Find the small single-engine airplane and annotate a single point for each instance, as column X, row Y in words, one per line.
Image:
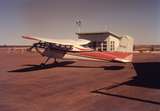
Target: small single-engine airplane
column 70, row 49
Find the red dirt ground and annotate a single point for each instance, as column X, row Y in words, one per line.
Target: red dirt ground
column 78, row 85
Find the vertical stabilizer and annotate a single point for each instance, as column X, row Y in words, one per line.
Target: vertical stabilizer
column 126, row 44
column 125, row 47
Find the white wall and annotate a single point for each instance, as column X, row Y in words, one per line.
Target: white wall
column 101, row 38
column 112, row 38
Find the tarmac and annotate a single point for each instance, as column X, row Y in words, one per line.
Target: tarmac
column 74, row 85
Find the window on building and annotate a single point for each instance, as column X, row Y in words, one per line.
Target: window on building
column 98, row 46
column 112, row 46
column 93, row 44
column 105, row 46
column 104, row 49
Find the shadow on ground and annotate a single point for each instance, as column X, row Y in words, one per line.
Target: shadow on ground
column 32, row 67
column 66, row 64
column 113, row 67
column 147, row 76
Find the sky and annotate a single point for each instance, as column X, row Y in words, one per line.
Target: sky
column 56, row 19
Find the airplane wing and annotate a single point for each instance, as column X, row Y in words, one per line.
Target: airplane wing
column 58, row 41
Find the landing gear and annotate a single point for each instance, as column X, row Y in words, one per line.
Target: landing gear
column 42, row 64
column 45, row 62
column 55, row 61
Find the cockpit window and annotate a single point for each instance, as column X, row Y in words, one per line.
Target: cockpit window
column 85, row 45
column 60, row 46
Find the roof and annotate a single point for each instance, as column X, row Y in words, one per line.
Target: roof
column 97, row 33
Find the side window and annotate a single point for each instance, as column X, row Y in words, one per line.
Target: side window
column 98, row 45
column 105, row 46
column 92, row 45
column 112, row 46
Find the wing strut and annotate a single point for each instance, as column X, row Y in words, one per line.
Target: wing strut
column 45, row 62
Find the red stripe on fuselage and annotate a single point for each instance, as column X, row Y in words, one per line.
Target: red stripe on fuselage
column 83, row 49
column 105, row 55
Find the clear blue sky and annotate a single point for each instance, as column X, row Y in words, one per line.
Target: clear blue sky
column 56, row 18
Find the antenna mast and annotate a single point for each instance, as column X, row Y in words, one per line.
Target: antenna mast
column 79, row 24
column 106, row 28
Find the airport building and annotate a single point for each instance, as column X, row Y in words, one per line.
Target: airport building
column 101, row 41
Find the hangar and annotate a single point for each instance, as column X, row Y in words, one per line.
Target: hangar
column 101, row 41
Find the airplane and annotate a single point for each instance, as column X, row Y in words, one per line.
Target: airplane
column 77, row 50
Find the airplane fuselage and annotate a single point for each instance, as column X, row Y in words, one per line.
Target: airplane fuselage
column 84, row 55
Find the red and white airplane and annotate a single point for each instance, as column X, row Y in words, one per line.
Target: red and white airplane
column 70, row 49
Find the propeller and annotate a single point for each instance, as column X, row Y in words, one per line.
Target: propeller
column 37, row 45
column 33, row 46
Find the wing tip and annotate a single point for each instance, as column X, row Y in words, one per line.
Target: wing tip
column 29, row 37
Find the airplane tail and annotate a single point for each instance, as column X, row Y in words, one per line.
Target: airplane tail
column 126, row 44
column 125, row 47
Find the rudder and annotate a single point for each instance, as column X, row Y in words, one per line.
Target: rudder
column 126, row 44
column 126, row 47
